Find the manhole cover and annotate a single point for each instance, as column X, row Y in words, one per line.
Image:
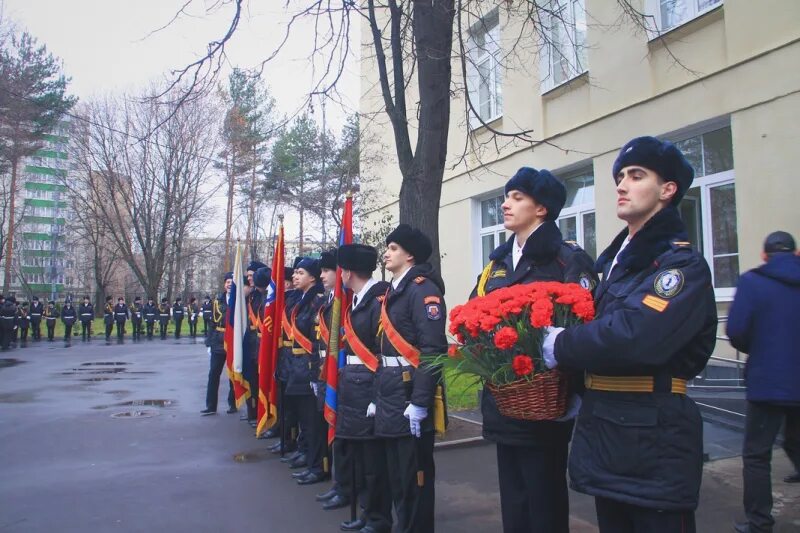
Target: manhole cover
column 7, row 362
column 136, row 414
column 138, row 403
column 105, row 363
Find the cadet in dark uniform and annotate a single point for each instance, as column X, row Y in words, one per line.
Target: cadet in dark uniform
column 120, row 317
column 150, row 314
column 206, row 310
column 194, row 312
column 356, row 390
column 532, row 455
column 23, row 323
column 86, row 315
column 304, row 369
column 163, row 318
column 8, row 320
column 51, row 315
column 68, row 316
column 137, row 312
column 638, row 443
column 2, row 330
column 215, row 341
column 108, row 319
column 178, row 312
column 413, row 322
column 250, row 343
column 37, row 309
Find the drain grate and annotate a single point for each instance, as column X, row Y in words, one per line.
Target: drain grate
column 144, row 413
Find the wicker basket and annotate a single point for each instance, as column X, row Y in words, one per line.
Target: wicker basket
column 542, row 398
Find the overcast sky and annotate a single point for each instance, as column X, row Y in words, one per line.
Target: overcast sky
column 107, row 46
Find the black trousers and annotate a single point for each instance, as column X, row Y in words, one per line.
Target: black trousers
column 120, row 330
column 150, row 326
column 178, row 323
column 67, row 333
column 86, row 330
column 51, row 329
column 23, row 335
column 318, row 458
column 533, row 488
column 136, row 324
column 162, row 329
column 399, row 461
column 205, row 327
column 109, row 329
column 288, row 417
column 310, row 441
column 250, row 372
column 192, row 328
column 762, row 425
column 216, row 366
column 36, row 329
column 358, row 468
column 618, row 517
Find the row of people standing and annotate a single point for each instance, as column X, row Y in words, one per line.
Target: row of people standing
column 17, row 319
column 144, row 317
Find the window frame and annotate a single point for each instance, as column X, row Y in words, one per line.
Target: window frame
column 489, row 26
column 479, row 231
column 546, row 72
column 654, row 13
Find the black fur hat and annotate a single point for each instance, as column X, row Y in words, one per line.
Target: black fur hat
column 358, row 257
column 542, row 186
column 327, row 259
column 261, row 277
column 662, row 157
column 412, row 241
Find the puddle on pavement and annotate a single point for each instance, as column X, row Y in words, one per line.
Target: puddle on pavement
column 105, row 363
column 117, row 392
column 18, row 397
column 88, row 371
column 254, row 456
column 139, row 403
column 9, row 362
column 135, row 414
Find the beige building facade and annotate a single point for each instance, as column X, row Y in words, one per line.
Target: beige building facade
column 718, row 77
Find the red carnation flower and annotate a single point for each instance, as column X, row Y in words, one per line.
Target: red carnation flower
column 505, row 338
column 453, row 351
column 522, row 365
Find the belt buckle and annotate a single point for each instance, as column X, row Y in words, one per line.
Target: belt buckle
column 587, row 381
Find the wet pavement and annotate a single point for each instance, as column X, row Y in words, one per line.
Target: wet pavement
column 110, row 438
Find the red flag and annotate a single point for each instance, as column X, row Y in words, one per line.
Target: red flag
column 270, row 341
column 341, row 304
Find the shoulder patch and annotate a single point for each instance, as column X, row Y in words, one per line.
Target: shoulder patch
column 586, row 281
column 434, row 311
column 419, row 279
column 432, row 300
column 655, row 303
column 669, row 283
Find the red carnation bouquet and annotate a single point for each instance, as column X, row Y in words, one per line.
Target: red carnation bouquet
column 500, row 339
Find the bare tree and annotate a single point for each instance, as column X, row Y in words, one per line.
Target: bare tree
column 146, row 184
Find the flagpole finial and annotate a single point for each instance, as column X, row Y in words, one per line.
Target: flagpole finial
column 280, row 217
column 349, row 194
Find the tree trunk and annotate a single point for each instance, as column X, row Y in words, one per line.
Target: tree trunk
column 11, row 228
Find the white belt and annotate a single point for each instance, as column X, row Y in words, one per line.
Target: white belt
column 354, row 360
column 395, row 361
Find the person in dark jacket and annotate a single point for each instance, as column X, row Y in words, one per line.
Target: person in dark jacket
column 762, row 322
column 2, row 329
column 51, row 315
column 121, row 314
column 194, row 315
column 137, row 314
column 254, row 294
column 532, row 456
column 412, row 322
column 86, row 315
column 37, row 309
column 304, row 369
column 150, row 315
column 24, row 323
column 178, row 312
column 207, row 310
column 638, row 441
column 108, row 319
column 68, row 316
column 163, row 318
column 215, row 341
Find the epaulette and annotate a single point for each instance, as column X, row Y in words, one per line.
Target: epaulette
column 380, row 298
column 419, row 279
column 681, row 245
column 572, row 245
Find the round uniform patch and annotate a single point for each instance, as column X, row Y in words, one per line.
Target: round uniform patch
column 668, row 283
column 586, row 282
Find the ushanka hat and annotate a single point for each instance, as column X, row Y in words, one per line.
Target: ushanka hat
column 662, row 157
column 358, row 257
column 542, row 186
column 327, row 260
column 261, row 277
column 412, row 241
column 310, row 265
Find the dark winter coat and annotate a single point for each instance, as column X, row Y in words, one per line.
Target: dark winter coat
column 655, row 316
column 163, row 314
column 285, row 352
column 417, row 310
column 216, row 334
column 108, row 314
column 763, row 322
column 121, row 313
column 37, row 309
column 207, row 310
column 23, row 318
column 86, row 312
column 545, row 257
column 304, row 366
column 150, row 312
column 136, row 313
column 194, row 312
column 356, row 386
column 68, row 315
column 177, row 312
column 51, row 315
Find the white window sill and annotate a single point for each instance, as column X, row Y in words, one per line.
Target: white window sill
column 547, row 88
column 475, row 128
column 659, row 34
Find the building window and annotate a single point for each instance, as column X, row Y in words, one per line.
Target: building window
column 576, row 220
column 564, row 42
column 492, row 232
column 484, row 79
column 709, row 207
column 668, row 14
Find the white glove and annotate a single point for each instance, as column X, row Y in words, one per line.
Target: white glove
column 314, row 388
column 415, row 415
column 371, row 410
column 573, row 407
column 548, row 346
column 209, row 351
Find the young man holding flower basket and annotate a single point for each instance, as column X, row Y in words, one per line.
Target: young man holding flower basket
column 638, row 443
column 531, row 445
